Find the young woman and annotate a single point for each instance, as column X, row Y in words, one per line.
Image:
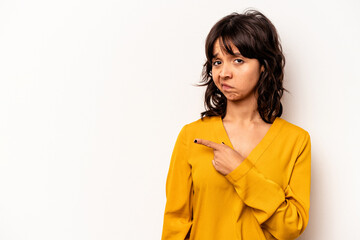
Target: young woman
column 240, row 171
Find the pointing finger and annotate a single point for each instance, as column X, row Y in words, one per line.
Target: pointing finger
column 207, row 143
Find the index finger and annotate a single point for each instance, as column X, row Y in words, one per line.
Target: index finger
column 208, row 143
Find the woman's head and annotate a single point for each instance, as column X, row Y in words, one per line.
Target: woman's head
column 253, row 38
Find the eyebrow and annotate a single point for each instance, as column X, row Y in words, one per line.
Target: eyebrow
column 236, row 54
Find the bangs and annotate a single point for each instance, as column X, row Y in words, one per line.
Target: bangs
column 239, row 38
column 225, row 44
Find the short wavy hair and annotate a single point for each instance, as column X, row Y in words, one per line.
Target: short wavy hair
column 255, row 37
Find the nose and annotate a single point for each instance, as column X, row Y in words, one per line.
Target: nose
column 225, row 71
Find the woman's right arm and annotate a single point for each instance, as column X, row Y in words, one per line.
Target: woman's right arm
column 179, row 192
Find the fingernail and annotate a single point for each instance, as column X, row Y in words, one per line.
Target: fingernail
column 195, row 141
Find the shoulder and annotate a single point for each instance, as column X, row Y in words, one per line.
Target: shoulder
column 289, row 126
column 201, row 124
column 291, row 130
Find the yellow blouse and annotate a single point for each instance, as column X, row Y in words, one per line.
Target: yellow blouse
column 266, row 197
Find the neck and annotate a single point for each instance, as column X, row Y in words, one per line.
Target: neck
column 243, row 112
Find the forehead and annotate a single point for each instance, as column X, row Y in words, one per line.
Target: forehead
column 219, row 47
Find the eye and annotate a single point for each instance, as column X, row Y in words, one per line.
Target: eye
column 215, row 63
column 240, row 60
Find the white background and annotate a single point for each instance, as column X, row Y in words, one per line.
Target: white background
column 94, row 93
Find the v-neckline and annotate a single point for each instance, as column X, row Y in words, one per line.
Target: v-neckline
column 261, row 146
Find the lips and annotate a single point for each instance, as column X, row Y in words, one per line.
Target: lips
column 225, row 86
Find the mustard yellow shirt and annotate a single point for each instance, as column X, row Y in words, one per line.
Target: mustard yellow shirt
column 266, row 197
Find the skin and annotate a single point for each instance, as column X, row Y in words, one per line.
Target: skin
column 241, row 74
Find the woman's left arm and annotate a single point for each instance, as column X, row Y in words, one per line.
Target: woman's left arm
column 282, row 212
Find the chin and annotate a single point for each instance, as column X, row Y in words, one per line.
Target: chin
column 235, row 97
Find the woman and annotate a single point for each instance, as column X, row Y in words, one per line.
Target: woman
column 240, row 171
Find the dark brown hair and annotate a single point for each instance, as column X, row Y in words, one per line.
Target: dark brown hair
column 255, row 37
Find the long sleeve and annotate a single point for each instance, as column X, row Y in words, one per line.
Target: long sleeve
column 179, row 193
column 282, row 212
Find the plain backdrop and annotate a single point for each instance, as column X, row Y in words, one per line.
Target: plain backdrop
column 94, row 93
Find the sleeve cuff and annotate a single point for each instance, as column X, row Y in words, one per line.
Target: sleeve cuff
column 240, row 171
column 255, row 189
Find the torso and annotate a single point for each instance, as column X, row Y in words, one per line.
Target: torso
column 245, row 140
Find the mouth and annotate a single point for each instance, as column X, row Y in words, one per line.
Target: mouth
column 225, row 87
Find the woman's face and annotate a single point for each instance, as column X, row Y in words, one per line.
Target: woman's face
column 240, row 74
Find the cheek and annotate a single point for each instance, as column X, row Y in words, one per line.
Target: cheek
column 251, row 74
column 215, row 78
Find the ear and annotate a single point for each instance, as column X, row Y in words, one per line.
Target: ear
column 262, row 68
